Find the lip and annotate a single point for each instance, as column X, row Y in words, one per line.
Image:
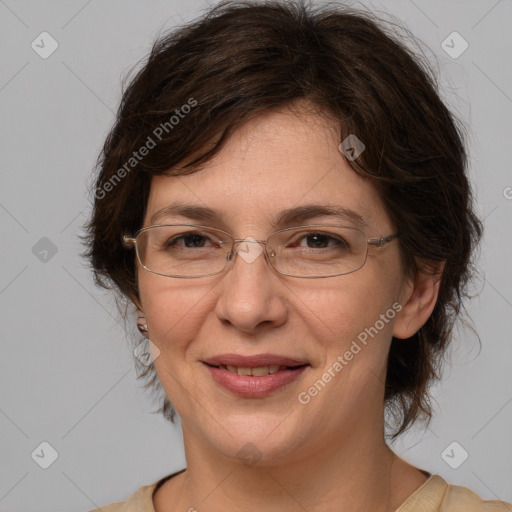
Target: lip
column 253, row 387
column 253, row 361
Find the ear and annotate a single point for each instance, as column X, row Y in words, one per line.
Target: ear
column 418, row 300
column 141, row 320
column 137, row 303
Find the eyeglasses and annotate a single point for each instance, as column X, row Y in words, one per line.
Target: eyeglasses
column 313, row 251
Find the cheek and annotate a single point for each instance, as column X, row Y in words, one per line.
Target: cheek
column 174, row 311
column 352, row 318
column 347, row 305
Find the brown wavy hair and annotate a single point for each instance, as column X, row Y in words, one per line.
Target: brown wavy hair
column 201, row 81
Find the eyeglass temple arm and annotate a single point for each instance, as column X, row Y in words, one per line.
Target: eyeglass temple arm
column 379, row 242
column 128, row 241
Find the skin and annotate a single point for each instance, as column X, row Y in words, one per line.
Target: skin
column 329, row 454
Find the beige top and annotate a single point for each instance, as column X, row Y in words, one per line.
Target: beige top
column 435, row 495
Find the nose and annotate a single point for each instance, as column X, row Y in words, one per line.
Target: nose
column 251, row 295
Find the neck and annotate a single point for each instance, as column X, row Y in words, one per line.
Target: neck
column 353, row 472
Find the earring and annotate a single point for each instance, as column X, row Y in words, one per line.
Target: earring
column 146, row 351
column 142, row 326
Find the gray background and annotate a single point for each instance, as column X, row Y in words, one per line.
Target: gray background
column 67, row 375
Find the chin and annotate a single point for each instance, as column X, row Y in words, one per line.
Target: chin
column 259, row 439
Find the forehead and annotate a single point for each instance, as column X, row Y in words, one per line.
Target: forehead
column 277, row 161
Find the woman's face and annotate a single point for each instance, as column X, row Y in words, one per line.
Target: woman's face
column 277, row 161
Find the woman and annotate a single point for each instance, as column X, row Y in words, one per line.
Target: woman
column 284, row 199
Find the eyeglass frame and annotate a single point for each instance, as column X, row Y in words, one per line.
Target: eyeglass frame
column 131, row 242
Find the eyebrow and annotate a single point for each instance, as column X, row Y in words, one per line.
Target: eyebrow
column 284, row 218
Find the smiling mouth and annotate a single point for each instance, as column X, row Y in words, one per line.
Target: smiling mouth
column 257, row 371
column 256, row 379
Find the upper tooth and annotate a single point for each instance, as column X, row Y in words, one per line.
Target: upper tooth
column 259, row 371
